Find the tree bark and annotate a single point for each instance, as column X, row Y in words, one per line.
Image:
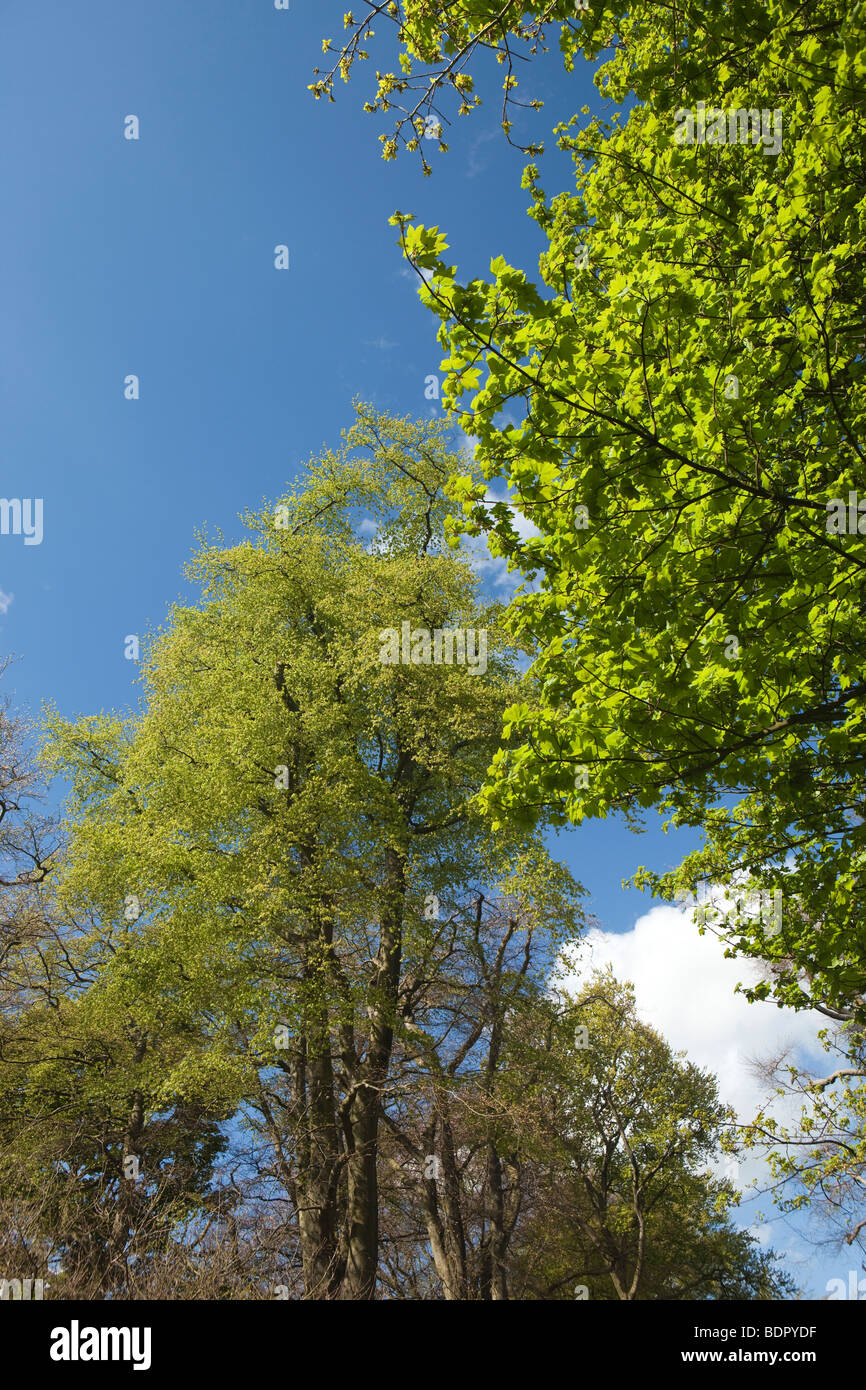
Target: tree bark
column 364, row 1110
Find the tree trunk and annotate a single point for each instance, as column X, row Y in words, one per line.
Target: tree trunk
column 318, row 1154
column 362, row 1212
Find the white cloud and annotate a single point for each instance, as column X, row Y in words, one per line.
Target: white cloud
column 5, row 601
column 493, row 569
column 761, row 1232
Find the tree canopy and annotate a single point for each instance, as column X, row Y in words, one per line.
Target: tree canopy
column 271, row 850
column 676, row 402
column 286, row 1022
column 687, row 375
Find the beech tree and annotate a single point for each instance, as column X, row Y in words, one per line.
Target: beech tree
column 291, row 812
column 294, row 1032
column 687, row 376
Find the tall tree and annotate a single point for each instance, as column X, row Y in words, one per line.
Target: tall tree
column 290, row 812
column 687, row 374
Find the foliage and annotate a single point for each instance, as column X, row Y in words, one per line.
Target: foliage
column 690, row 404
column 288, row 816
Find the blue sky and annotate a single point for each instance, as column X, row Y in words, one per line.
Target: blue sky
column 156, row 257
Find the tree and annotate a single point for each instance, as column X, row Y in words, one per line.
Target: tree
column 289, row 814
column 559, row 1153
column 688, row 376
column 456, row 1122
column 29, row 845
column 623, row 1206
column 91, row 1198
column 819, row 1159
column 103, row 1187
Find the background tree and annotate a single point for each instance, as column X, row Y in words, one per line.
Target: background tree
column 624, row 1206
column 456, row 1153
column 93, row 1192
column 102, row 1187
column 818, row 1160
column 29, row 844
column 562, row 1155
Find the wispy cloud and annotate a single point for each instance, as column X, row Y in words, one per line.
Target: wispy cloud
column 5, row 601
column 474, row 164
column 406, row 273
column 383, row 344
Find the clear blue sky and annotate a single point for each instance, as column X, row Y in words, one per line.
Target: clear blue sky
column 155, row 257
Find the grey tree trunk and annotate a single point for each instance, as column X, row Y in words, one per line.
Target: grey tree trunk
column 364, row 1110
